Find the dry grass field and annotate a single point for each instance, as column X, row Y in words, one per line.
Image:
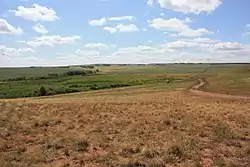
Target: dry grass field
column 141, row 126
column 151, row 129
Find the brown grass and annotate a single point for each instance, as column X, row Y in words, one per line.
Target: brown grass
column 154, row 129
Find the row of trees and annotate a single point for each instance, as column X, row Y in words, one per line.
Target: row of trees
column 48, row 92
column 53, row 75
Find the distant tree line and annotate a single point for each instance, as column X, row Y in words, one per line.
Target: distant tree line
column 48, row 92
column 54, row 75
column 74, row 88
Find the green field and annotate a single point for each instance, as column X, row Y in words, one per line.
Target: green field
column 228, row 78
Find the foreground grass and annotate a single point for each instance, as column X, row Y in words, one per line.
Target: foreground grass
column 151, row 129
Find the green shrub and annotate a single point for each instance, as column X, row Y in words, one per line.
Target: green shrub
column 42, row 91
column 72, row 73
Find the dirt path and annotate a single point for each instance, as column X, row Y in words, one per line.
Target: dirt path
column 195, row 90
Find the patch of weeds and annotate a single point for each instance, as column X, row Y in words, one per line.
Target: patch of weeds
column 82, row 146
column 223, row 132
column 178, row 151
column 130, row 151
column 148, row 152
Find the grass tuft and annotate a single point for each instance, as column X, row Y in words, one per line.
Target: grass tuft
column 82, row 146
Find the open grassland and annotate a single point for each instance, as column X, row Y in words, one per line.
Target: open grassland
column 153, row 124
column 151, row 129
column 228, row 79
column 6, row 73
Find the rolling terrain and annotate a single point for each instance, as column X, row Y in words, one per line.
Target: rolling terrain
column 153, row 124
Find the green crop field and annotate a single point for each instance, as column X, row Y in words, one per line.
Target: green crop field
column 26, row 82
column 32, row 72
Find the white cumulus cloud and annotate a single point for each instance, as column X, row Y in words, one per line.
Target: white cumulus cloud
column 229, row 46
column 105, row 20
column 127, row 28
column 7, row 51
column 6, row 28
column 130, row 18
column 194, row 51
column 100, row 22
column 202, row 40
column 36, row 13
column 195, row 33
column 178, row 26
column 189, row 6
column 97, row 46
column 110, row 29
column 40, row 29
column 52, row 40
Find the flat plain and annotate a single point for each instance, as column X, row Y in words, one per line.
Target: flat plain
column 157, row 123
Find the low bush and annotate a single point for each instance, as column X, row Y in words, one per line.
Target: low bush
column 42, row 91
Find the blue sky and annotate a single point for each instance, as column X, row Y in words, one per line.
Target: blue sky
column 34, row 32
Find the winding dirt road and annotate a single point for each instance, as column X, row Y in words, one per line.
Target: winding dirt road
column 196, row 90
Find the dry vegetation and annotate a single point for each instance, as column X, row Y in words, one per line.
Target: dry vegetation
column 154, row 129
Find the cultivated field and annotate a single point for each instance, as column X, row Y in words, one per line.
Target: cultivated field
column 75, row 79
column 160, row 122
